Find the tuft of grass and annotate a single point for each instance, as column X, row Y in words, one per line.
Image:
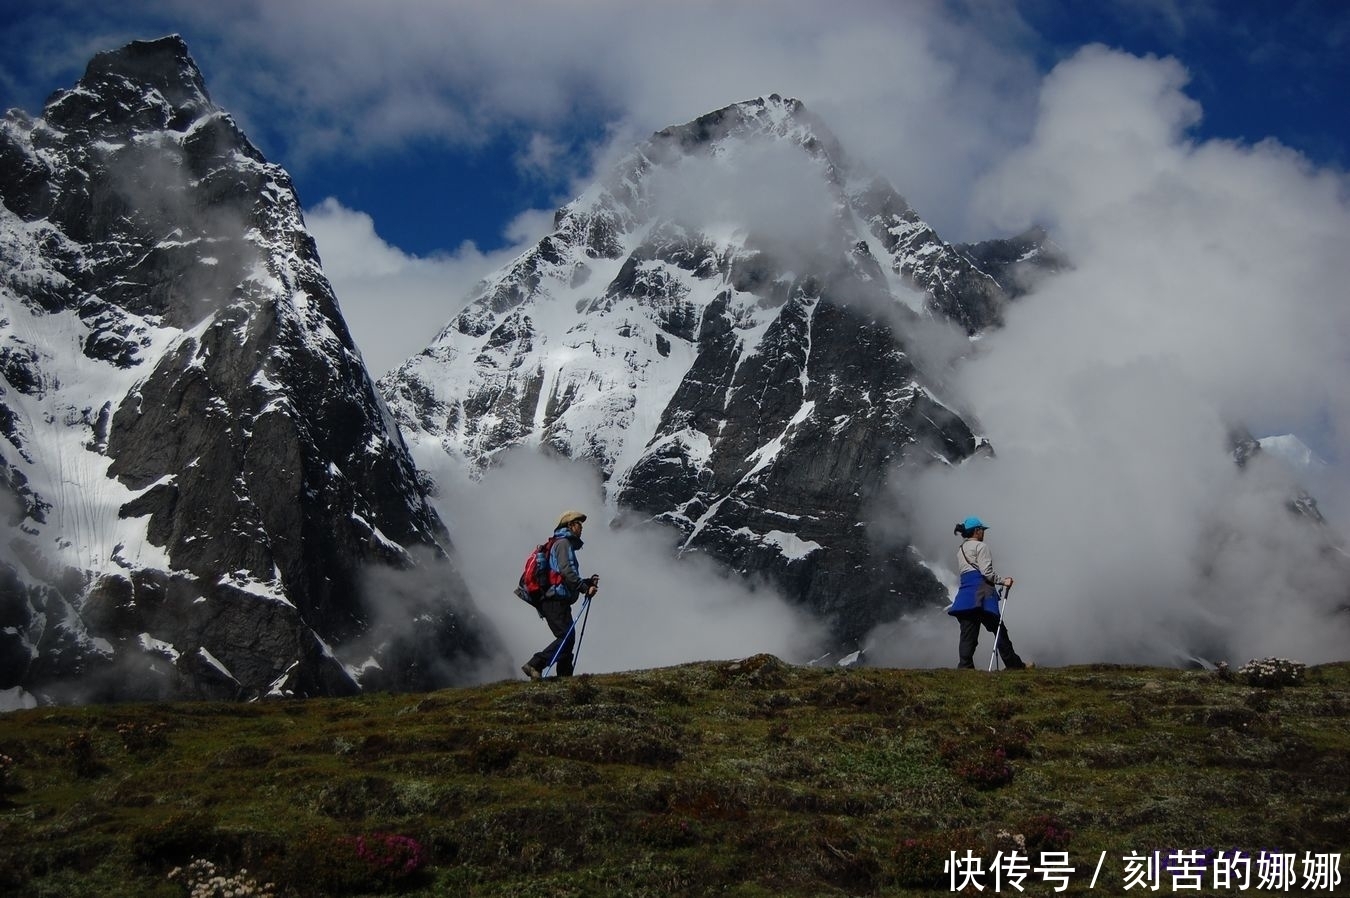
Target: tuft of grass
column 739, row 778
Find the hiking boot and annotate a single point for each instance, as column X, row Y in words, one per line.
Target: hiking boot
column 530, row 671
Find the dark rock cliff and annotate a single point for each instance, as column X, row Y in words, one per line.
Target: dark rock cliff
column 202, row 473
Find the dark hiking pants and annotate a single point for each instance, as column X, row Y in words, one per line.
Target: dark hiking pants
column 971, row 621
column 557, row 613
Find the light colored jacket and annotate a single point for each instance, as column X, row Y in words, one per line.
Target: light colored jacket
column 974, row 555
column 975, row 564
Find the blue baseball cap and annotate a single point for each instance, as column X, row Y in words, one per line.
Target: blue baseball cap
column 974, row 524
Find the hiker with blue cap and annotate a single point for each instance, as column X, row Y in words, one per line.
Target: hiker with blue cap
column 976, row 602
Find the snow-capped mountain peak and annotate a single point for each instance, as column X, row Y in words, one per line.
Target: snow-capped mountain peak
column 719, row 323
column 193, row 454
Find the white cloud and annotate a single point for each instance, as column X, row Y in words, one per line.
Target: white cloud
column 1208, row 291
column 1209, row 282
column 927, row 97
column 769, row 189
column 394, row 302
column 1222, row 259
column 541, row 156
column 651, row 610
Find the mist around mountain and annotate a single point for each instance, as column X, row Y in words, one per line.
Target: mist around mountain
column 743, row 332
column 205, row 493
column 771, row 384
column 769, row 360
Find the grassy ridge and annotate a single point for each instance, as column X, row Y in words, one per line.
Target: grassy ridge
column 749, row 778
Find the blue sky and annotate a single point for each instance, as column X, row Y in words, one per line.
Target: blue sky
column 431, row 140
column 337, row 106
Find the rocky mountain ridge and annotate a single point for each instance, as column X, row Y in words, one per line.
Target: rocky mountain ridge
column 743, row 330
column 749, row 378
column 200, row 476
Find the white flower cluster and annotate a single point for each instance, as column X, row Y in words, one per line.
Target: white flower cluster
column 203, row 881
column 1275, row 672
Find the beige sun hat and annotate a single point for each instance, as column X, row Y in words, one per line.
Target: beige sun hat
column 570, row 516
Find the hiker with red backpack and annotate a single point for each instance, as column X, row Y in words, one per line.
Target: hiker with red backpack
column 554, row 590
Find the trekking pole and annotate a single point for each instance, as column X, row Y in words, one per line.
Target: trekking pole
column 586, row 611
column 998, row 632
column 554, row 660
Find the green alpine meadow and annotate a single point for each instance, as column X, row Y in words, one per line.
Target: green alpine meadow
column 748, row 778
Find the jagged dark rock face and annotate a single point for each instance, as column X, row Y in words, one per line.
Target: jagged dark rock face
column 837, row 420
column 752, row 396
column 202, row 475
column 1017, row 262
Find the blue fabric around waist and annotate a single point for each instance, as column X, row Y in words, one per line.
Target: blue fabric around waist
column 971, row 581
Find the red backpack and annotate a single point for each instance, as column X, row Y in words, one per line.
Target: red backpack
column 539, row 576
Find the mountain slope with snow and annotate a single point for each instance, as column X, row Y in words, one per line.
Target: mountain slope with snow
column 732, row 326
column 199, row 473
